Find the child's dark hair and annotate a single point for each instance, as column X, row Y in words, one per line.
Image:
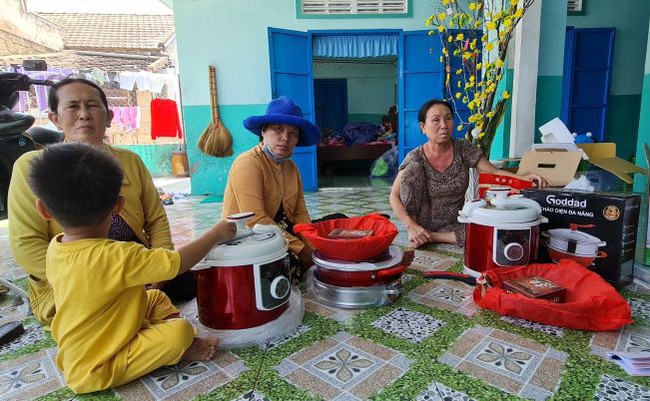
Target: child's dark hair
column 422, row 114
column 79, row 184
column 53, row 98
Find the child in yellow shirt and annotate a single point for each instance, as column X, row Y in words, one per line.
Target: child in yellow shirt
column 108, row 328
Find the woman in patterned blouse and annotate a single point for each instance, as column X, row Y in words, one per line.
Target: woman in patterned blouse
column 430, row 187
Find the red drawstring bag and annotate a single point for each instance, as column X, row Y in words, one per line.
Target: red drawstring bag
column 356, row 249
column 590, row 302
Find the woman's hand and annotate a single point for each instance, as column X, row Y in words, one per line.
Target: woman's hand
column 538, row 180
column 418, row 235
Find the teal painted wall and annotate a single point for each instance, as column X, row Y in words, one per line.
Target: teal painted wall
column 210, row 174
column 551, row 63
column 501, row 144
column 549, row 96
column 157, row 158
column 623, row 115
column 641, row 181
column 371, row 87
column 232, row 36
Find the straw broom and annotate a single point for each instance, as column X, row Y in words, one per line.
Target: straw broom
column 215, row 140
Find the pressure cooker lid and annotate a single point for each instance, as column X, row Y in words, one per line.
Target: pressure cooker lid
column 574, row 235
column 264, row 244
column 323, row 261
column 502, row 211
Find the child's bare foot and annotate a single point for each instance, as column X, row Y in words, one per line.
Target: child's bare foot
column 202, row 349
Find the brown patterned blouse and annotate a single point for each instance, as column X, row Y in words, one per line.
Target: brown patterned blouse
column 433, row 197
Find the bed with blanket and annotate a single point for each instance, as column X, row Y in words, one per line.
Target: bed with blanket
column 357, row 141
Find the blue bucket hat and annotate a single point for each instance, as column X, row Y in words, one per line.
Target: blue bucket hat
column 284, row 111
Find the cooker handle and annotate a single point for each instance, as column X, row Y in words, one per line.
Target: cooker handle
column 601, row 254
column 392, row 271
column 436, row 274
column 465, row 214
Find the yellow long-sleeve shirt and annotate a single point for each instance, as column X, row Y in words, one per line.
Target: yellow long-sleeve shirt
column 258, row 184
column 101, row 304
column 30, row 234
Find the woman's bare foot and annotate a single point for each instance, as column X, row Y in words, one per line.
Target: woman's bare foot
column 202, row 349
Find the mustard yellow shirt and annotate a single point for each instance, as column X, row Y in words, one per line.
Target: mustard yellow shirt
column 30, row 234
column 101, row 302
column 258, row 184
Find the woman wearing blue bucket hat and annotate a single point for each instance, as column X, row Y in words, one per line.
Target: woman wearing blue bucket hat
column 265, row 180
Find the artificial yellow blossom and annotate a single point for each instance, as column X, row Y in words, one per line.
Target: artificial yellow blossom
column 506, row 95
column 472, row 45
column 442, row 59
column 458, row 84
column 481, row 135
column 479, row 6
column 471, row 105
column 465, row 99
column 460, row 127
column 471, row 78
column 445, row 2
column 459, row 71
column 450, row 39
column 507, row 22
column 441, row 28
column 458, row 95
column 490, row 114
column 489, row 46
column 478, row 66
column 442, row 16
column 514, row 2
column 499, row 63
column 430, row 33
column 491, row 25
column 519, row 13
column 427, row 22
column 484, row 38
column 460, row 36
column 472, row 6
column 477, row 24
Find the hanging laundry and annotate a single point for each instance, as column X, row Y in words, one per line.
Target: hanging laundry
column 157, row 82
column 98, row 76
column 143, row 81
column 41, row 94
column 164, row 119
column 126, row 80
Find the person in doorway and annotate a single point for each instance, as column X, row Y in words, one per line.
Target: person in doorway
column 109, row 330
column 430, row 186
column 79, row 108
column 265, row 180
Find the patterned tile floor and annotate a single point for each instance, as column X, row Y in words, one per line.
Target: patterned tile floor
column 433, row 343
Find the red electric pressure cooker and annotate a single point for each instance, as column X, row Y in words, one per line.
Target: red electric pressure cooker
column 501, row 233
column 245, row 282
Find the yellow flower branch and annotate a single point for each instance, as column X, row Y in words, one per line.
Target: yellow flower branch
column 477, row 36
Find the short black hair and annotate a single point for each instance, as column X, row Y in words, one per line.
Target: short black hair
column 53, row 98
column 79, row 184
column 422, row 114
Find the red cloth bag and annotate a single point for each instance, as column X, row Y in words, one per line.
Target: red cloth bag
column 590, row 303
column 357, row 249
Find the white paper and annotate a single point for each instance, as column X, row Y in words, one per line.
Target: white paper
column 635, row 364
column 555, row 131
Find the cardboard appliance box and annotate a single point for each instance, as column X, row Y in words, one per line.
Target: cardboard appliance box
column 558, row 162
column 614, row 217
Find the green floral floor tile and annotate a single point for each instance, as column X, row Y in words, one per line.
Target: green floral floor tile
column 432, row 343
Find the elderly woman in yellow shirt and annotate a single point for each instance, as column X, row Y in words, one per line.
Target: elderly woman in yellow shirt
column 266, row 181
column 79, row 108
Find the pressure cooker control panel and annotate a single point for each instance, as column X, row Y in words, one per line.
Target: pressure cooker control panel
column 511, row 247
column 272, row 283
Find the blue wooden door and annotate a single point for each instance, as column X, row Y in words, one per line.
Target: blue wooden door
column 588, row 59
column 331, row 102
column 291, row 75
column 420, row 78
